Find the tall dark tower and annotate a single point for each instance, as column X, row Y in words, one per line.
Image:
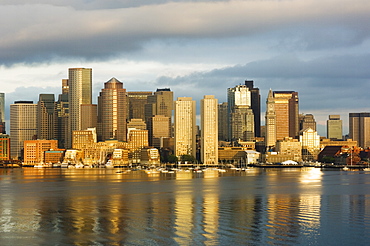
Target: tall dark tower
column 256, row 106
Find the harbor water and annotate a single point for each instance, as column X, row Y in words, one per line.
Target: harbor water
column 291, row 206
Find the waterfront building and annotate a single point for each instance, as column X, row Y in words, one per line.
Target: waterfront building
column 4, row 147
column 223, row 129
column 159, row 127
column 289, row 147
column 310, row 142
column 137, row 140
column 252, row 157
column 150, row 156
column 359, row 128
column 287, row 112
column 54, row 156
column 34, row 150
column 185, row 127
column 241, row 118
column 112, row 111
column 84, row 139
column 255, row 106
column 231, row 155
column 120, row 157
column 80, row 92
column 307, row 121
column 22, row 125
column 270, row 121
column 209, row 130
column 329, row 142
column 334, row 127
column 46, row 120
column 136, row 104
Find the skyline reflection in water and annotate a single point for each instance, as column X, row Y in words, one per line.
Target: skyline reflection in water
column 101, row 206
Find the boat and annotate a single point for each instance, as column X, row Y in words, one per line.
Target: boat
column 79, row 165
column 345, row 168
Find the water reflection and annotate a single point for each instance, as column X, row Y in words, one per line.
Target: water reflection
column 77, row 207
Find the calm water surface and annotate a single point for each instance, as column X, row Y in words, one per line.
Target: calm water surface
column 305, row 206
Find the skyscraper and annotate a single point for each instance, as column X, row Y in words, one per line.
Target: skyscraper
column 307, row 121
column 136, row 104
column 80, row 92
column 22, row 125
column 2, row 113
column 270, row 121
column 159, row 127
column 359, row 128
column 240, row 114
column 256, row 106
column 185, row 127
column 161, row 103
column 287, row 112
column 46, row 120
column 334, row 127
column 223, row 129
column 112, row 115
column 209, row 130
column 2, row 107
column 62, row 109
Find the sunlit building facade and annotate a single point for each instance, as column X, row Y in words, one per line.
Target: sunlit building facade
column 359, row 128
column 80, row 92
column 185, row 127
column 46, row 117
column 334, row 127
column 209, row 130
column 112, row 111
column 22, row 125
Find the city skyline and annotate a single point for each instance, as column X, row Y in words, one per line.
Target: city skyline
column 284, row 45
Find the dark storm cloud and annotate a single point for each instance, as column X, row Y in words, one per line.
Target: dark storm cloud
column 328, row 82
column 39, row 31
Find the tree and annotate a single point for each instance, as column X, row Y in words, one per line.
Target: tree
column 172, row 159
column 188, row 158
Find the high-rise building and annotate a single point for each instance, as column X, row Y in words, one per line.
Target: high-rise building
column 270, row 121
column 240, row 114
column 161, row 103
column 287, row 112
column 89, row 116
column 62, row 109
column 334, row 127
column 223, row 129
column 136, row 104
column 359, row 128
column 22, row 125
column 2, row 107
column 256, row 106
column 46, row 120
column 306, row 121
column 242, row 123
column 209, row 130
column 112, row 111
column 185, row 127
column 2, row 113
column 80, row 92
column 159, row 127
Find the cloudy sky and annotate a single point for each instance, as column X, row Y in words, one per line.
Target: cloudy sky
column 320, row 48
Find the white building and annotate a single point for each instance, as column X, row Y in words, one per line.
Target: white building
column 310, row 142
